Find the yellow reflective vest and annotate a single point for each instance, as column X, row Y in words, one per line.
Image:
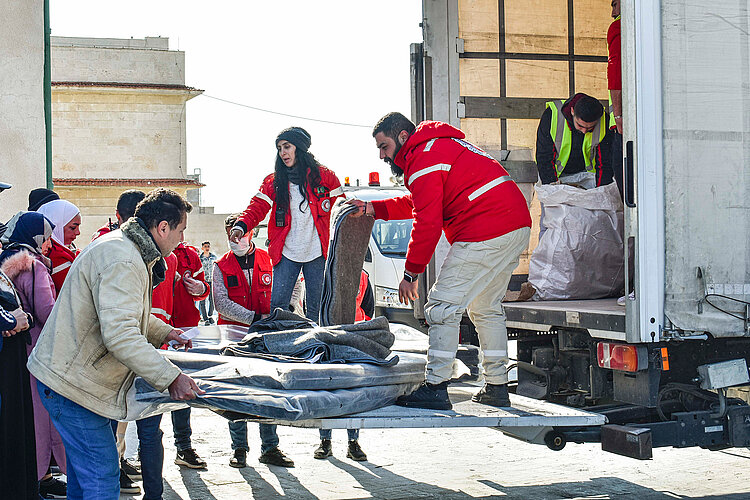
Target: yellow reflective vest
column 562, row 137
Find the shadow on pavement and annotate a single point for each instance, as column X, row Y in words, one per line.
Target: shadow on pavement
column 382, row 483
column 262, row 489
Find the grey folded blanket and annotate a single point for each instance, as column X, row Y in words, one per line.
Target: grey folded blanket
column 365, row 342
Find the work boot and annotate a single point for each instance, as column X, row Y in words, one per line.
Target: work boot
column 324, row 450
column 239, row 460
column 493, row 395
column 430, row 396
column 127, row 485
column 275, row 456
column 355, row 452
column 189, row 458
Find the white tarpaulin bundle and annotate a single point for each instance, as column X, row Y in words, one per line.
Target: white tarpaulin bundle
column 581, row 253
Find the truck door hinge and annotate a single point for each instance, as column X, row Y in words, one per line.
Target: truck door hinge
column 461, row 110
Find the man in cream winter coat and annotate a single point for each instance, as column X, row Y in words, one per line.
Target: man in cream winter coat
column 101, row 334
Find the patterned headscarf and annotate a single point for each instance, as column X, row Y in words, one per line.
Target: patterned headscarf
column 27, row 230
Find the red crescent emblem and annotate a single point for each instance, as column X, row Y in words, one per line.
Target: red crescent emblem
column 326, row 205
column 265, row 278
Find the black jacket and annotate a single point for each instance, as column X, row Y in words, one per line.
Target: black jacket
column 546, row 153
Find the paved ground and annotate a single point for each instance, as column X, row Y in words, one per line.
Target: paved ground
column 452, row 464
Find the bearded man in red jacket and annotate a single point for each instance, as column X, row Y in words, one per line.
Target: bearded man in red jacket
column 454, row 187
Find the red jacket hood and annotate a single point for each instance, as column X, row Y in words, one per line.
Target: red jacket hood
column 424, row 132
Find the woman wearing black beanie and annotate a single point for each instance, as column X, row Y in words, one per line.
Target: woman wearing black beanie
column 300, row 194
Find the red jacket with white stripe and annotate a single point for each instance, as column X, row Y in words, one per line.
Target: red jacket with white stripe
column 454, row 186
column 185, row 314
column 162, row 297
column 62, row 258
column 321, row 201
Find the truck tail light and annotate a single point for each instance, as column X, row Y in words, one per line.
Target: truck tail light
column 623, row 357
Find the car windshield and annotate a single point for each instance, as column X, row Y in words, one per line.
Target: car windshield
column 392, row 236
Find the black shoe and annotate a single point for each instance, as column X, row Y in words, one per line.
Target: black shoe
column 53, row 488
column 324, row 450
column 239, row 460
column 493, row 395
column 355, row 452
column 132, row 470
column 430, row 396
column 189, row 458
column 274, row 456
column 127, row 485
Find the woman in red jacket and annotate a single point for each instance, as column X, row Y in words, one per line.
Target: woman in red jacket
column 300, row 193
column 67, row 218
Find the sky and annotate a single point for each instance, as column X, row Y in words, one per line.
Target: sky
column 333, row 60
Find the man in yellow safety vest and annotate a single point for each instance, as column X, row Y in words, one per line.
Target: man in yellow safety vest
column 572, row 145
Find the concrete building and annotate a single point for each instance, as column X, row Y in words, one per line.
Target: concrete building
column 119, row 122
column 22, row 130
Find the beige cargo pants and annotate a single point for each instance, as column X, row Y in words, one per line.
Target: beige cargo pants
column 474, row 277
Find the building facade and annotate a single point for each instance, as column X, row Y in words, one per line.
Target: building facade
column 119, row 122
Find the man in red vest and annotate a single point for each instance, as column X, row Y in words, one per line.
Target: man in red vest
column 242, row 281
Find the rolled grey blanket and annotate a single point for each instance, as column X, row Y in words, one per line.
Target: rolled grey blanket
column 346, row 255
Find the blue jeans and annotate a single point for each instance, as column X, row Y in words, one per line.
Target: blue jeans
column 181, row 429
column 268, row 437
column 152, row 456
column 90, row 449
column 202, row 305
column 285, row 275
column 352, row 433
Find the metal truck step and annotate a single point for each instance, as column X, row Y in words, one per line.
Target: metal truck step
column 525, row 413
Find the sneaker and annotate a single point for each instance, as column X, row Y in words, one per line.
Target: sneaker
column 621, row 301
column 189, row 458
column 53, row 488
column 127, row 486
column 430, row 396
column 275, row 456
column 239, row 460
column 355, row 452
column 324, row 450
column 493, row 395
column 132, row 470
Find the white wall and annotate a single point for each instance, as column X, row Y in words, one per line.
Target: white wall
column 22, row 146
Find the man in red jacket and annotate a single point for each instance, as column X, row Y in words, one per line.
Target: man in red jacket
column 190, row 285
column 457, row 188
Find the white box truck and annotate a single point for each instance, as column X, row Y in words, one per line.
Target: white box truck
column 659, row 368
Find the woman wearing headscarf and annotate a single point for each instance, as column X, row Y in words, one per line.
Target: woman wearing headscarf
column 25, row 242
column 66, row 218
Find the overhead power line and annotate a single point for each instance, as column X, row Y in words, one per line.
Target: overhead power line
column 285, row 114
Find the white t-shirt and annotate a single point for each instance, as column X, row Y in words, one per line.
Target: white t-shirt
column 302, row 244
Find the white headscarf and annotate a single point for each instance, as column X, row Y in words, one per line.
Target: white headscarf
column 60, row 212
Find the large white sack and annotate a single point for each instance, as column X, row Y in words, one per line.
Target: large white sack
column 581, row 253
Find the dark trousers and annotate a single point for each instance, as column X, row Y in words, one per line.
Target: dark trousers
column 181, row 428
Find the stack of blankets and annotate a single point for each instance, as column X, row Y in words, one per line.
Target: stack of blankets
column 288, row 368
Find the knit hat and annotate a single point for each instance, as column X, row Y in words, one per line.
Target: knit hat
column 297, row 136
column 40, row 196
